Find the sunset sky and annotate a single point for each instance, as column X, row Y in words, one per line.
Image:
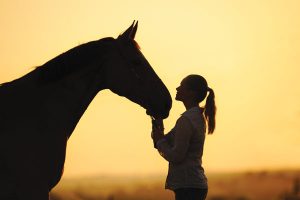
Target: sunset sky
column 249, row 52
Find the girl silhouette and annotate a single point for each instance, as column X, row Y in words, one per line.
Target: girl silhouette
column 182, row 147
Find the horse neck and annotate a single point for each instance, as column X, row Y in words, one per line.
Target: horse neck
column 70, row 97
column 58, row 93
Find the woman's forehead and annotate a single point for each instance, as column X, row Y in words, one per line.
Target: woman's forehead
column 184, row 81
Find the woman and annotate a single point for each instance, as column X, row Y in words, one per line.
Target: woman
column 182, row 147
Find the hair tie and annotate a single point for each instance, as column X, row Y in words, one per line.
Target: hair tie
column 209, row 89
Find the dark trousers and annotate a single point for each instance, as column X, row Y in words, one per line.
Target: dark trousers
column 190, row 194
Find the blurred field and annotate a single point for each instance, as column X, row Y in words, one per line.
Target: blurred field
column 263, row 185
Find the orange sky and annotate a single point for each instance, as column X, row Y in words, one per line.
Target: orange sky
column 248, row 51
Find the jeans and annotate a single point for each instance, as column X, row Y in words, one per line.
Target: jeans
column 190, row 194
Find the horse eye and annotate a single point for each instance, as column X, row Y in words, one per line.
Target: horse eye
column 136, row 62
column 134, row 72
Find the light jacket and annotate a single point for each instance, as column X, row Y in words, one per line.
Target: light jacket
column 183, row 148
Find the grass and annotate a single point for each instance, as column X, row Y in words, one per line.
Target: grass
column 263, row 185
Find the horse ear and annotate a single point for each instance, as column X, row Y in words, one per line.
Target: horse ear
column 134, row 29
column 130, row 32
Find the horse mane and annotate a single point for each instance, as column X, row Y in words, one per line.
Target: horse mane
column 72, row 60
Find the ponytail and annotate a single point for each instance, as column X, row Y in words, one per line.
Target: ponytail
column 210, row 111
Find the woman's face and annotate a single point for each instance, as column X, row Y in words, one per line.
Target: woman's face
column 183, row 92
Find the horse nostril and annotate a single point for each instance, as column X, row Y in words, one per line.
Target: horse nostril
column 167, row 107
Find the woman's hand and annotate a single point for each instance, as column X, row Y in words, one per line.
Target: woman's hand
column 157, row 130
column 157, row 134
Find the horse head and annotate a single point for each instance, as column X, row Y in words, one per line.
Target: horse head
column 129, row 74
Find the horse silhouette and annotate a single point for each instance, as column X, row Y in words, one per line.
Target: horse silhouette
column 39, row 111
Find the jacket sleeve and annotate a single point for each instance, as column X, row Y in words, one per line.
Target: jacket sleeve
column 182, row 133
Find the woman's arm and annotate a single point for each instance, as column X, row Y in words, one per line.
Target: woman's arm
column 182, row 133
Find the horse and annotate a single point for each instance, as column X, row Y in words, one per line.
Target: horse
column 40, row 110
